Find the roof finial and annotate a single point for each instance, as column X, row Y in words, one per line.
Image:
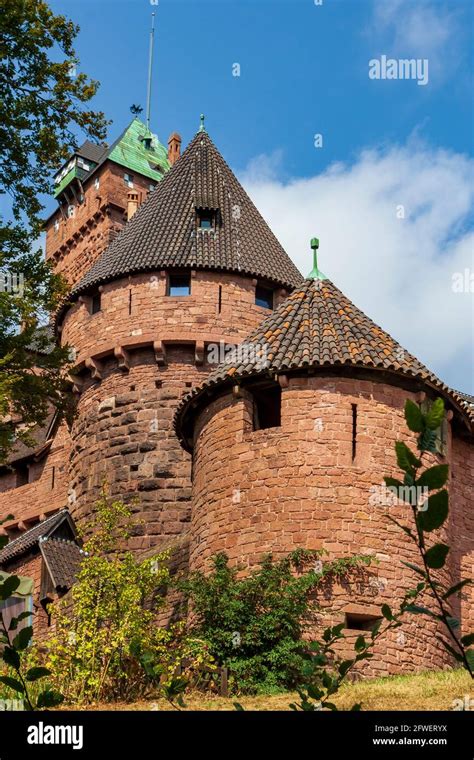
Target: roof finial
column 202, row 128
column 315, row 273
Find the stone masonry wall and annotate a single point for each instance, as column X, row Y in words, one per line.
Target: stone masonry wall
column 80, row 240
column 277, row 489
column 123, row 431
column 47, row 490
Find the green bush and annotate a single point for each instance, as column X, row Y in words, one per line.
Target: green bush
column 254, row 624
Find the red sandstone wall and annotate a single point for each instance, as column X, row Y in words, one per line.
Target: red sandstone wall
column 81, row 239
column 462, row 527
column 123, row 430
column 29, row 566
column 137, row 310
column 295, row 486
column 40, row 495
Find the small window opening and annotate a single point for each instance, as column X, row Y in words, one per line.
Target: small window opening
column 132, row 387
column 97, row 183
column 56, row 225
column 358, row 622
column 179, row 285
column 70, row 211
column 264, row 297
column 219, row 302
column 354, row 431
column 96, row 303
column 53, row 476
column 158, row 383
column 22, row 474
column 188, row 385
column 130, row 301
column 206, row 219
column 266, row 407
column 128, row 179
column 441, row 434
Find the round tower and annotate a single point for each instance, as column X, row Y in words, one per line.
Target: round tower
column 291, row 450
column 193, row 271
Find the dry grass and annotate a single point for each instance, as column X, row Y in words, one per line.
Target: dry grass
column 433, row 690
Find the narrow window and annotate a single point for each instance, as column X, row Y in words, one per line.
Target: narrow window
column 441, row 433
column 264, row 297
column 53, row 476
column 151, row 188
column 56, row 225
column 96, row 303
column 22, row 474
column 266, row 407
column 97, row 183
column 219, row 302
column 70, row 211
column 358, row 622
column 179, row 285
column 130, row 301
column 354, row 431
column 128, row 179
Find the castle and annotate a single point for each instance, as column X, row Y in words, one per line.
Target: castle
column 282, row 445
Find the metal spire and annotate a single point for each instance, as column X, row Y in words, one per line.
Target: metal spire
column 202, row 128
column 150, row 65
column 315, row 273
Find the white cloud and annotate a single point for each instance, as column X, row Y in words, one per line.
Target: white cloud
column 422, row 29
column 399, row 271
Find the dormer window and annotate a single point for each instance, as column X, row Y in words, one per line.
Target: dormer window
column 264, row 297
column 206, row 219
column 179, row 285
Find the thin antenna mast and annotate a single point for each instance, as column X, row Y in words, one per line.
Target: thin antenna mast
column 150, row 66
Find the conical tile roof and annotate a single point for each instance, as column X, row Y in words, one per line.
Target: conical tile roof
column 163, row 233
column 317, row 326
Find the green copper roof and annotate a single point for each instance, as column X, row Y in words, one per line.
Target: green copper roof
column 137, row 149
column 132, row 152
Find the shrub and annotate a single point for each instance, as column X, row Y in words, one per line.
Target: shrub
column 254, row 624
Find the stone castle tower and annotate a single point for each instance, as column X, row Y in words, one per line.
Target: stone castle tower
column 283, row 444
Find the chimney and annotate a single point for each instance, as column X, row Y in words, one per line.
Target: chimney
column 132, row 203
column 174, row 147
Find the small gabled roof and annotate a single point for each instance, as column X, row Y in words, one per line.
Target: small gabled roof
column 63, row 559
column 162, row 234
column 33, row 536
column 317, row 327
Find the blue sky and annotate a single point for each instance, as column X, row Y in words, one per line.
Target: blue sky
column 390, row 190
column 303, row 71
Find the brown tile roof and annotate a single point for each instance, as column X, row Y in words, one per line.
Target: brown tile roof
column 41, row 435
column 163, row 234
column 63, row 559
column 31, row 537
column 316, row 326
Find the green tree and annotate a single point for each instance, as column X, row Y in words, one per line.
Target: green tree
column 41, row 110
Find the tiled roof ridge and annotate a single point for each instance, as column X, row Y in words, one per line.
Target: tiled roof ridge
column 9, row 550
